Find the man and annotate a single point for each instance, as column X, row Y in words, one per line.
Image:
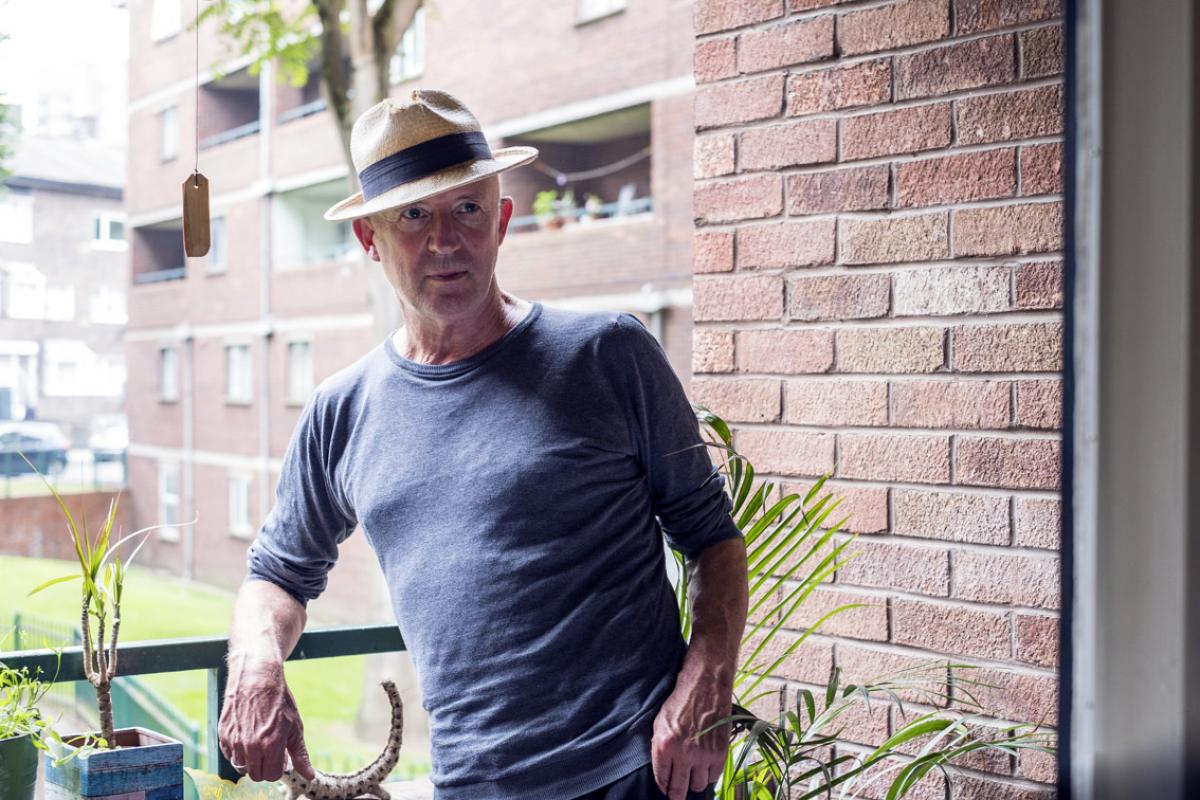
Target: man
column 514, row 468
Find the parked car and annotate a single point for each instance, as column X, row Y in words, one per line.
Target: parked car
column 43, row 443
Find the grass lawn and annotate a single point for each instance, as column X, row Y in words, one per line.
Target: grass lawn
column 154, row 606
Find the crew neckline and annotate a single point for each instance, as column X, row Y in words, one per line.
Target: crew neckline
column 464, row 365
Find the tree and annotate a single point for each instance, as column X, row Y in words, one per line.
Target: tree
column 352, row 40
column 8, row 133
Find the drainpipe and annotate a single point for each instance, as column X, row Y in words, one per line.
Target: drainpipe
column 266, row 110
column 187, row 479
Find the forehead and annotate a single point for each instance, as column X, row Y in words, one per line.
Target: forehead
column 480, row 189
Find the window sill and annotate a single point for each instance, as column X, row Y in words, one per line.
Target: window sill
column 245, row 534
column 239, row 401
column 168, row 401
column 579, row 23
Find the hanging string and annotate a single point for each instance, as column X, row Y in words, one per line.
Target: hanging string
column 563, row 178
column 196, row 138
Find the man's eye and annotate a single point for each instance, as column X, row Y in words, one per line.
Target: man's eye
column 411, row 213
column 470, row 208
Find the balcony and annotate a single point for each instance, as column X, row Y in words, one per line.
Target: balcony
column 228, row 109
column 156, row 253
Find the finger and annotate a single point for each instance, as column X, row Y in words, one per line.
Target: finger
column 299, row 753
column 680, row 778
column 254, row 764
column 661, row 767
column 714, row 772
column 700, row 779
column 273, row 760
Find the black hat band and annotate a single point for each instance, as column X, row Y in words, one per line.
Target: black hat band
column 422, row 159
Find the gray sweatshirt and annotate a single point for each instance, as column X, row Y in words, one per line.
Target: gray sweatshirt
column 517, row 501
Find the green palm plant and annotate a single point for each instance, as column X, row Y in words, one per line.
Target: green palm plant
column 792, row 547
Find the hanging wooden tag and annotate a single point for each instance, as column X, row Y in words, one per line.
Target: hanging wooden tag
column 196, row 235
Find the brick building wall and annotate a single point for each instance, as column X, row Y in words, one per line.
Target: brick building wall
column 878, row 295
column 34, row 527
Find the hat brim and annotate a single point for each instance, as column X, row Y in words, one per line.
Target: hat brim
column 502, row 160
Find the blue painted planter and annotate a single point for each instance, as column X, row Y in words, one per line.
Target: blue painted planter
column 147, row 766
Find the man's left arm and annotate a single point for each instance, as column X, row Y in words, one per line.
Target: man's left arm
column 703, row 691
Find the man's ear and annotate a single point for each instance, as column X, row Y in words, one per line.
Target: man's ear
column 366, row 237
column 506, row 210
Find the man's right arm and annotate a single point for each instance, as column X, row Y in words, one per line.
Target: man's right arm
column 260, row 723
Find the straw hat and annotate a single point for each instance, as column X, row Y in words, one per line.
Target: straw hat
column 406, row 152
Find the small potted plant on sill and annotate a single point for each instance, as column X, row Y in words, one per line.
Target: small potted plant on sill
column 545, row 209
column 109, row 763
column 21, row 728
column 593, row 208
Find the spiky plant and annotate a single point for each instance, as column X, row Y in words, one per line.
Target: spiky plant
column 792, row 547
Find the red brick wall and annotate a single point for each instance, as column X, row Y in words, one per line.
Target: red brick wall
column 878, row 294
column 35, row 527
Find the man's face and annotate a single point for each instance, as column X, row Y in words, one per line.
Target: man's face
column 440, row 254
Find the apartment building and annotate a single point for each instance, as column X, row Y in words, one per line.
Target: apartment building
column 224, row 350
column 63, row 276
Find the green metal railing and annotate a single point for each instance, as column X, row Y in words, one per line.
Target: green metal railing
column 207, row 653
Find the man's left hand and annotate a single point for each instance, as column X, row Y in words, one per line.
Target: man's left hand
column 680, row 761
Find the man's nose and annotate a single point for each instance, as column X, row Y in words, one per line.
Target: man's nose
column 443, row 238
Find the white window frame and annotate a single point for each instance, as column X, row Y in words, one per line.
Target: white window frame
column 168, row 129
column 168, row 374
column 239, row 486
column 299, row 387
column 16, row 215
column 168, row 501
column 588, row 10
column 166, row 19
column 108, row 307
column 25, row 298
column 102, row 229
column 239, row 374
column 408, row 61
column 218, row 251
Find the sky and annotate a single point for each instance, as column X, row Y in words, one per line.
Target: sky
column 66, row 58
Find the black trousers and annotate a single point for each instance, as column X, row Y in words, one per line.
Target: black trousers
column 639, row 785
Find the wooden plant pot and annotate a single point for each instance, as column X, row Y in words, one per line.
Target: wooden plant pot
column 18, row 768
column 148, row 766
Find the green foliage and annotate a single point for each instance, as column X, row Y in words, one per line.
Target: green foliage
column 545, row 202
column 261, row 29
column 19, row 698
column 792, row 547
column 8, row 133
column 206, row 786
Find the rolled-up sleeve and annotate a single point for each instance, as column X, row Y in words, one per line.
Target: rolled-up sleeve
column 298, row 542
column 687, row 492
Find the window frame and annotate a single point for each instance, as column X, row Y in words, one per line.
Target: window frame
column 248, row 397
column 239, row 528
column 165, row 396
column 169, row 500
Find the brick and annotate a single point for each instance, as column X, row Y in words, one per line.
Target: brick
column 1039, row 404
column 1002, row 117
column 795, row 42
column 865, row 84
column 864, row 665
column 811, row 662
column 1003, row 578
column 709, row 16
column 1039, row 522
column 853, row 189
column 1038, row 766
column 786, row 245
column 1041, row 169
column 969, row 787
column 1042, row 52
column 865, row 507
column 788, row 352
column 1039, row 285
column 1007, row 463
column 951, row 516
column 898, row 567
column 893, row 457
column 712, row 251
column 714, row 59
column 712, row 351
column 738, row 101
column 809, row 5
column 787, row 452
column 984, row 175
column 1007, row 230
column 932, row 786
column 951, row 290
column 903, row 130
column 983, row 760
column 1037, row 639
column 1010, row 695
column 892, row 26
column 837, row 297
column 869, row 621
column 892, row 240
column 954, row 67
column 1024, row 347
column 739, row 399
column 753, row 197
column 824, row 402
column 810, row 141
column 858, row 723
column 890, row 350
column 973, row 16
column 713, row 156
column 951, row 404
column 738, row 298
column 951, row 629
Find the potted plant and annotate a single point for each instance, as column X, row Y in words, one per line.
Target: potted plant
column 593, row 208
column 567, row 210
column 792, row 547
column 545, row 209
column 109, row 762
column 21, row 727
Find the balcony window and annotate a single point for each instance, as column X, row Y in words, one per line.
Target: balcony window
column 237, row 374
column 239, row 506
column 168, row 500
column 157, row 252
column 168, row 375
column 300, row 372
column 108, row 231
column 228, row 108
column 16, row 215
column 409, row 59
column 295, row 102
column 300, row 234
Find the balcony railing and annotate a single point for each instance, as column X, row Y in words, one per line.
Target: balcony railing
column 160, row 275
column 606, row 213
column 249, row 129
column 306, row 110
column 207, row 653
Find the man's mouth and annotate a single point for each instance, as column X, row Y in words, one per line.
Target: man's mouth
column 448, row 276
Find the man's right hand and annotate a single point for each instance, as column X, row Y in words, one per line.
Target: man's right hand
column 260, row 725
